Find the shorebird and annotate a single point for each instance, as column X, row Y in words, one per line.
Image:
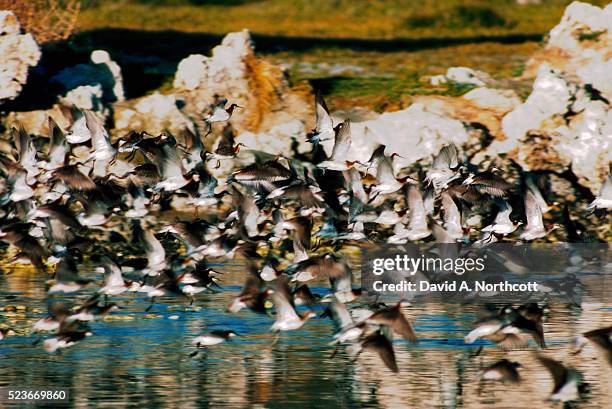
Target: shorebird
column 347, row 330
column 114, row 283
column 155, row 252
column 58, row 312
column 168, row 161
column 306, row 193
column 67, row 279
column 378, row 342
column 342, row 144
column 262, row 175
column 326, row 266
column 202, row 188
column 58, row 147
column 287, row 318
column 215, row 337
column 535, row 190
column 247, row 211
column 91, row 310
column 73, row 178
column 68, row 334
column 302, row 229
column 452, row 216
column 567, row 381
column 386, row 182
column 227, row 148
column 487, row 182
column 25, row 153
column 103, row 151
column 393, row 318
column 444, row 168
column 253, row 295
column 29, row 248
column 502, row 223
column 601, row 338
column 506, row 328
column 503, row 370
column 417, row 222
column 16, row 186
column 199, row 278
column 220, row 113
column 78, row 131
column 303, row 296
column 324, row 126
column 535, row 225
column 56, row 209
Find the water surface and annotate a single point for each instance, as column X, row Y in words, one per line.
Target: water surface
column 138, row 358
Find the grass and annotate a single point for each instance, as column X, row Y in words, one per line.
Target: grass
column 393, row 44
column 388, row 79
column 382, row 19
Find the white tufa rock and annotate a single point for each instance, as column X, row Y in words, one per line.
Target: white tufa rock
column 551, row 96
column 18, row 52
column 462, row 75
column 191, row 72
column 580, row 45
column 414, row 133
column 503, row 100
column 278, row 140
column 578, row 130
column 217, row 74
column 234, row 72
column 153, row 113
column 580, row 18
column 84, row 97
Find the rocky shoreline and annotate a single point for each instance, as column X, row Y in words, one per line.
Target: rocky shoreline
column 563, row 127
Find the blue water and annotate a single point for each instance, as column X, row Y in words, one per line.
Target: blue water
column 139, row 358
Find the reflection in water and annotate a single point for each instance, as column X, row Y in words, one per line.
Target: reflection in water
column 138, row 358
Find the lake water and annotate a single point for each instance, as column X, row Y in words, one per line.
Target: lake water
column 138, row 358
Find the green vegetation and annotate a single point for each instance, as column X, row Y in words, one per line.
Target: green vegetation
column 330, row 18
column 371, row 53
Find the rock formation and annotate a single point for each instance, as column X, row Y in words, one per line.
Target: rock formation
column 581, row 46
column 18, row 53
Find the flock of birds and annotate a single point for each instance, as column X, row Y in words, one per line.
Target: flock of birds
column 76, row 195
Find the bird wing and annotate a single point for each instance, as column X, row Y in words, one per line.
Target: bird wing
column 66, row 270
column 380, row 344
column 446, row 158
column 72, row 176
column 503, row 215
column 283, row 300
column 556, row 369
column 156, row 254
column 169, row 161
column 418, row 218
column 533, row 212
column 356, row 185
column 58, row 146
column 99, row 137
column 324, row 123
column 342, row 142
column 395, row 319
column 452, row 215
column 25, row 149
column 384, row 171
column 340, row 314
column 114, row 275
